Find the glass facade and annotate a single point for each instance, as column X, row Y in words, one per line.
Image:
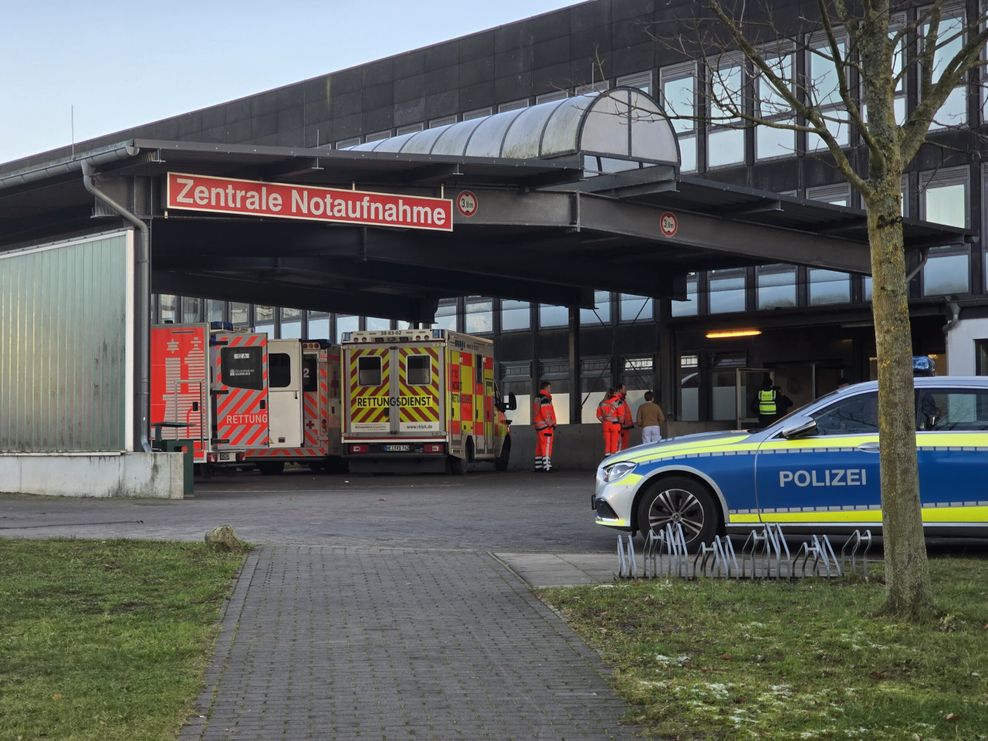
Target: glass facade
column 515, row 315
column 776, row 287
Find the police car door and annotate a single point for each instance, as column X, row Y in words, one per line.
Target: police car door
column 829, row 476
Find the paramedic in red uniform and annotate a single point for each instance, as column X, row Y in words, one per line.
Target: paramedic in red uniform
column 609, row 414
column 544, row 419
column 627, row 422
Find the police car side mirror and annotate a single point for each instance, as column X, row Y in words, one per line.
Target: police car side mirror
column 799, row 428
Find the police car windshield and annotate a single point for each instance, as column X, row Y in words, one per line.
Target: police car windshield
column 799, row 411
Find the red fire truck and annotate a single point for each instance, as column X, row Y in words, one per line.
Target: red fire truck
column 310, row 432
column 210, row 386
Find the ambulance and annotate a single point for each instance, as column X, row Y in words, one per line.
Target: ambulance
column 305, row 425
column 422, row 398
column 210, row 385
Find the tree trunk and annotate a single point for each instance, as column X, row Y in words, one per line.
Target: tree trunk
column 907, row 573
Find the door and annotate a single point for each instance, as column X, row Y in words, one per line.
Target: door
column 951, row 440
column 239, row 392
column 418, row 407
column 285, row 393
column 827, row 478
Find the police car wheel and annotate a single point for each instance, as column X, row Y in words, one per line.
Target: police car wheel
column 679, row 500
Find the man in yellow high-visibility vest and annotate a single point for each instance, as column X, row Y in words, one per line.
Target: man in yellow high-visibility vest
column 768, row 402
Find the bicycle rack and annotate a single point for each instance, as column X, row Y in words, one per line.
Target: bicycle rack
column 716, row 559
column 859, row 544
column 769, row 543
column 678, row 555
column 824, row 558
column 627, row 565
column 651, row 556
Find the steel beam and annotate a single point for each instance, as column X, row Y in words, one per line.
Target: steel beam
column 412, row 309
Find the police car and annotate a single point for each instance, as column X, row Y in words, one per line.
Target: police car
column 815, row 469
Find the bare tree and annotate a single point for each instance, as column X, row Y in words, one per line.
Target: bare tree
column 863, row 42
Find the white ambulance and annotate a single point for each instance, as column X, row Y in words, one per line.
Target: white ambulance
column 304, row 402
column 421, row 398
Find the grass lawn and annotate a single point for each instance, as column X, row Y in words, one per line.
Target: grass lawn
column 717, row 659
column 105, row 639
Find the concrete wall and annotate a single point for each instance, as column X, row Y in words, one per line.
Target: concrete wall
column 581, row 447
column 157, row 475
column 961, row 355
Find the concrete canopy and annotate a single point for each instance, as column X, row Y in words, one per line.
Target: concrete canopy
column 540, row 228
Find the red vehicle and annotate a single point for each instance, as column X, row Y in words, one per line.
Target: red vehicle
column 318, row 426
column 210, row 386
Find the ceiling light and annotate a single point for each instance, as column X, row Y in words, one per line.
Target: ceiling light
column 722, row 334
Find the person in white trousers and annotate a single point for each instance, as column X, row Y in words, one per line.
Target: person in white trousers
column 650, row 418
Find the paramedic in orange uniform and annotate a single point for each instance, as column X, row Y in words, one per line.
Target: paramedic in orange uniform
column 627, row 422
column 609, row 414
column 544, row 420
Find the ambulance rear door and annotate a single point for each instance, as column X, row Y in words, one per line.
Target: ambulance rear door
column 418, row 410
column 239, row 391
column 285, row 393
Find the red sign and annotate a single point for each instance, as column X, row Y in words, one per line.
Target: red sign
column 287, row 201
column 668, row 224
column 467, row 203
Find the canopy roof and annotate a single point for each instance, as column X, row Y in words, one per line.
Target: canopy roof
column 623, row 123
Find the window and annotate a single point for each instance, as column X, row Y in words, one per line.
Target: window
column 771, row 106
column 981, row 357
column 318, row 326
column 641, row 80
column 776, row 286
column 950, row 40
column 477, row 113
column 550, row 96
column 851, row 416
column 279, row 370
column 167, row 308
column 553, row 316
column 725, row 137
column 726, row 290
column 952, row 409
column 824, row 91
column 478, row 315
column 442, row 121
column 592, row 87
column 514, row 315
column 724, row 403
column 828, row 287
column 369, row 370
column 690, row 305
column 347, row 143
column 635, row 308
column 512, row 105
column 291, row 324
column 678, row 86
column 377, row 324
column 264, row 319
column 446, row 314
column 239, row 314
column 191, row 310
column 601, row 313
column 378, row 135
column 943, row 200
column 689, row 388
column 346, row 323
column 409, row 129
column 418, row 370
column 216, row 310
column 242, row 367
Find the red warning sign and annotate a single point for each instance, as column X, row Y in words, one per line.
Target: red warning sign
column 467, row 203
column 668, row 224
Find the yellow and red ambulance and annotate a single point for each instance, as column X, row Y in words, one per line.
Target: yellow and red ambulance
column 210, row 386
column 424, row 397
column 307, row 433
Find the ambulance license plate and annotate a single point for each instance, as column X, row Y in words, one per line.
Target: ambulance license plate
column 396, row 448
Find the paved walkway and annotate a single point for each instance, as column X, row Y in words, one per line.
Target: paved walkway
column 397, row 643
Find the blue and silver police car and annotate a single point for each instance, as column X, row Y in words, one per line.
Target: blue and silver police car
column 815, row 469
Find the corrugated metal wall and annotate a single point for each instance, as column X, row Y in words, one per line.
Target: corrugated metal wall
column 64, row 375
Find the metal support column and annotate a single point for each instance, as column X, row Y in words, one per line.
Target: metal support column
column 575, row 385
column 666, row 361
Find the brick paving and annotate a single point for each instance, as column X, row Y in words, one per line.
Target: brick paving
column 397, row 643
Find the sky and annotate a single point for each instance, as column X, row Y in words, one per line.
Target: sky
column 73, row 70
